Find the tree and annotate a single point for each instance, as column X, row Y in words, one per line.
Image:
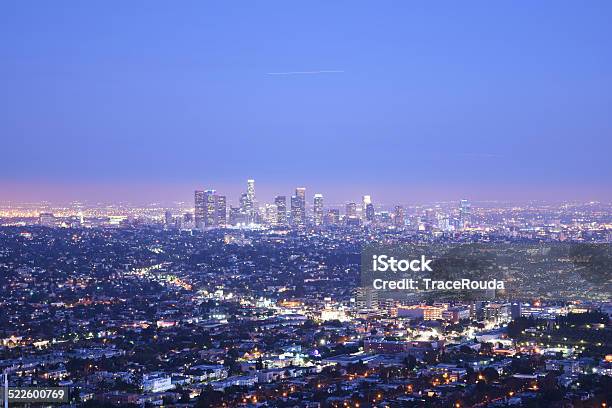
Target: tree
column 466, row 350
column 410, row 362
column 491, row 374
column 430, row 357
column 259, row 365
column 209, row 398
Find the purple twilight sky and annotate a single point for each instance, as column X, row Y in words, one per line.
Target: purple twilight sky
column 408, row 101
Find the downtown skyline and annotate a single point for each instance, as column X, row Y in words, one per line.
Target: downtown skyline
column 168, row 194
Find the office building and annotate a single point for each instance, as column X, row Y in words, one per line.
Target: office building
column 200, row 209
column 465, row 214
column 220, row 211
column 318, row 209
column 281, row 210
column 298, row 207
column 351, row 210
column 369, row 212
column 46, row 219
column 398, row 216
column 251, row 190
column 332, row 217
column 210, row 207
column 365, row 201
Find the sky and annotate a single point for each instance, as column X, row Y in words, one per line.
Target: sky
column 407, row 101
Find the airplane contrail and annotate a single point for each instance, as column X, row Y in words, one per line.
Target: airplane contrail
column 323, row 71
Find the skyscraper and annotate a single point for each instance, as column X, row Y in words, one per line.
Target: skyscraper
column 167, row 219
column 46, row 219
column 366, row 298
column 398, row 216
column 351, row 210
column 220, row 211
column 235, row 216
column 369, row 212
column 365, row 201
column 300, row 192
column 281, row 210
column 318, row 209
column 298, row 207
column 251, row 190
column 296, row 218
column 245, row 207
column 465, row 214
column 200, row 209
column 250, row 201
column 210, row 206
column 210, row 209
column 332, row 217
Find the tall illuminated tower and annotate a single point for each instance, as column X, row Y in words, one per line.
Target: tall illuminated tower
column 318, row 209
column 351, row 210
column 465, row 214
column 298, row 207
column 367, row 208
column 199, row 209
column 398, row 216
column 251, row 202
column 369, row 212
column 251, row 190
column 210, row 206
column 220, row 211
column 281, row 210
column 365, row 201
